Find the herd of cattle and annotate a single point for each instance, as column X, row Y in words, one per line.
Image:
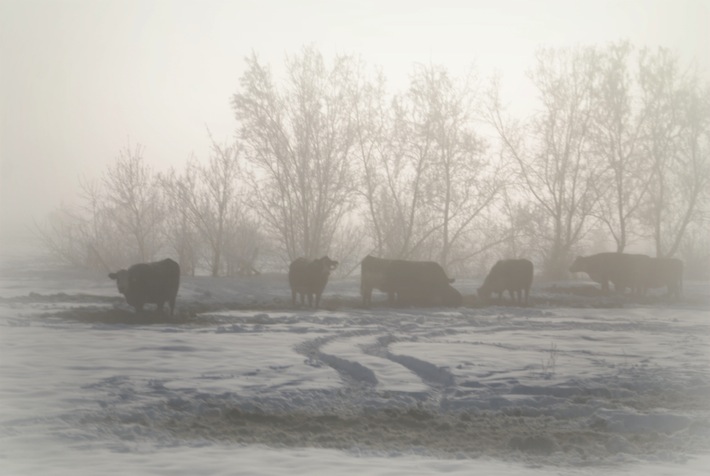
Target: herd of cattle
column 417, row 282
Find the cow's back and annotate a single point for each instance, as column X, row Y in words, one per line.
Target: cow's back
column 153, row 282
column 402, row 274
column 156, row 279
column 509, row 274
column 622, row 269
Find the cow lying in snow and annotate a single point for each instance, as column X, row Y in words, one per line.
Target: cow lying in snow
column 512, row 275
column 308, row 278
column 407, row 282
column 149, row 283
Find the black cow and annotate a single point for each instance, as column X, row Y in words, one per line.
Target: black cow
column 149, row 283
column 665, row 272
column 407, row 282
column 512, row 275
column 308, row 278
column 373, row 273
column 622, row 269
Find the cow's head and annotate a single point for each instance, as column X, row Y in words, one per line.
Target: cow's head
column 326, row 265
column 121, row 278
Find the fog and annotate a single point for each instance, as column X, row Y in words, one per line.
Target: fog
column 81, row 79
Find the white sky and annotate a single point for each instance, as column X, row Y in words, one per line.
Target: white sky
column 80, row 78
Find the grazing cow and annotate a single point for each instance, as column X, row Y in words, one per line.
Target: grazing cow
column 512, row 275
column 407, row 282
column 308, row 278
column 149, row 283
column 665, row 272
column 622, row 269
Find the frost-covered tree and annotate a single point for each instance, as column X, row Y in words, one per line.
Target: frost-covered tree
column 133, row 202
column 552, row 150
column 619, row 134
column 677, row 146
column 299, row 135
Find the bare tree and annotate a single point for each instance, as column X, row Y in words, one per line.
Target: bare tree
column 460, row 184
column 618, row 132
column 181, row 233
column 118, row 220
column 678, row 129
column 552, row 151
column 134, row 203
column 208, row 195
column 62, row 234
column 373, row 147
column 405, row 224
column 299, row 139
column 424, row 178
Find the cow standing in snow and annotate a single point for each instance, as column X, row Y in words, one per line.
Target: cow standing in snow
column 308, row 278
column 624, row 270
column 512, row 275
column 665, row 272
column 407, row 282
column 149, row 283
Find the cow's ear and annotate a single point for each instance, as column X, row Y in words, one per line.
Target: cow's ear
column 112, row 275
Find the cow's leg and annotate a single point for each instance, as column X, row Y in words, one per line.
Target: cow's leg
column 171, row 303
column 293, row 297
column 160, row 306
column 317, row 299
column 366, row 294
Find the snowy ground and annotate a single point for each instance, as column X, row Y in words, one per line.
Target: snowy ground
column 238, row 382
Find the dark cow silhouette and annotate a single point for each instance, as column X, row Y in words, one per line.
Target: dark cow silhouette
column 622, row 269
column 308, row 278
column 373, row 274
column 665, row 272
column 512, row 275
column 149, row 283
column 407, row 282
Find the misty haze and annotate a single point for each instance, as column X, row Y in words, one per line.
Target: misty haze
column 354, row 237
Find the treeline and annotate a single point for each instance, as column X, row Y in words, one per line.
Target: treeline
column 614, row 153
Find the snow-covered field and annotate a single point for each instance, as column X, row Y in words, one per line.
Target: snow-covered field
column 239, row 382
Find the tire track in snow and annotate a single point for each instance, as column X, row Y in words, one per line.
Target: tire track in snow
column 349, row 369
column 432, row 375
column 427, row 371
column 352, row 372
